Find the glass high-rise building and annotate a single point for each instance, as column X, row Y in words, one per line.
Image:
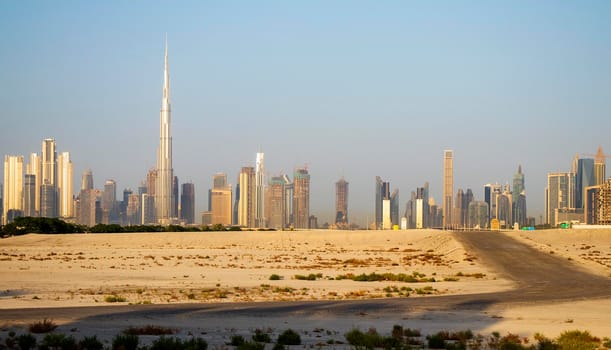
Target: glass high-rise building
column 246, row 206
column 65, row 178
column 341, row 201
column 559, row 195
column 12, row 199
column 583, row 178
column 34, row 167
column 187, row 203
column 448, row 187
column 260, row 220
column 277, row 216
column 301, row 198
column 29, row 195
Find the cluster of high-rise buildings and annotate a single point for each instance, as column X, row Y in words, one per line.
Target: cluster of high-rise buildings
column 46, row 189
column 256, row 203
column 502, row 206
column 582, row 194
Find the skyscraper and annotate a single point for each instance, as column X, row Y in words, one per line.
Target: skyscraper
column 246, row 207
column 394, row 207
column 48, row 183
column 109, row 203
column 583, row 178
column 448, row 186
column 559, row 195
column 260, row 190
column 34, row 167
column 65, row 177
column 87, row 198
column 187, row 203
column 599, row 167
column 301, row 198
column 277, row 203
column 12, row 200
column 29, row 195
column 382, row 193
column 164, row 194
column 49, row 159
column 341, row 201
column 220, row 200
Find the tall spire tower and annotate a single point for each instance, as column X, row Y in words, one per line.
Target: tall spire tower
column 165, row 173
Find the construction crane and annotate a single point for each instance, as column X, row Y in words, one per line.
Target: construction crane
column 599, row 157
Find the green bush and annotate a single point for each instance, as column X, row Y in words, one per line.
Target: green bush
column 125, row 342
column 369, row 340
column 261, row 337
column 91, row 343
column 577, row 340
column 44, row 326
column 195, row 344
column 289, row 337
column 149, row 330
column 279, row 347
column 436, row 341
column 114, row 299
column 57, row 341
column 26, row 342
column 275, row 277
column 166, row 343
column 249, row 345
column 237, row 340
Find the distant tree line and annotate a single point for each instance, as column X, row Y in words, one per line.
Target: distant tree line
column 25, row 225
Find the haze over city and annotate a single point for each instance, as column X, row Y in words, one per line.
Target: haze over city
column 353, row 89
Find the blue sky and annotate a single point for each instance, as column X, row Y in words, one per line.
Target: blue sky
column 352, row 88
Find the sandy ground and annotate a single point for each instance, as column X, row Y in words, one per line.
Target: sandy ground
column 161, row 268
column 90, row 269
column 590, row 249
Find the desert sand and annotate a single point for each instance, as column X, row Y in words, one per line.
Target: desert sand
column 88, row 269
column 209, row 268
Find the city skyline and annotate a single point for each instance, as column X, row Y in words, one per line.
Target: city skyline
column 544, row 77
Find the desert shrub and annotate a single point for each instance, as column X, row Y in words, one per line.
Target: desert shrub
column 57, row 341
column 26, row 342
column 44, row 326
column 369, row 340
column 436, row 341
column 166, row 343
column 310, row 277
column 412, row 333
column 195, row 344
column 261, row 337
column 114, row 299
column 237, row 340
column 397, row 332
column 577, row 340
column 544, row 343
column 289, row 337
column 149, row 330
column 125, row 342
column 250, row 345
column 275, row 277
column 510, row 342
column 91, row 343
column 607, row 343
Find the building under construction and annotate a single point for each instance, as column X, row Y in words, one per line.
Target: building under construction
column 598, row 204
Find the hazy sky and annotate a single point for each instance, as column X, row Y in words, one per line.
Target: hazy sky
column 352, row 88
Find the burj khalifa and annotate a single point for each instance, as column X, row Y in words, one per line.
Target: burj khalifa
column 165, row 173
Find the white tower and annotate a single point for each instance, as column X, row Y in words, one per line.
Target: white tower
column 165, row 173
column 260, row 191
